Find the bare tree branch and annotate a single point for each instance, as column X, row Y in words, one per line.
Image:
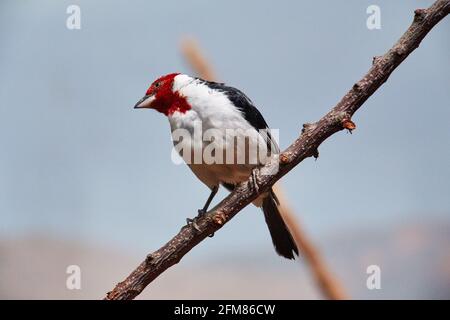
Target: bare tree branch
column 305, row 146
column 327, row 282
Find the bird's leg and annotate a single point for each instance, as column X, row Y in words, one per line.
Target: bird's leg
column 201, row 212
column 254, row 179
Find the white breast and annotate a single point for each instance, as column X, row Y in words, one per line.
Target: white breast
column 212, row 109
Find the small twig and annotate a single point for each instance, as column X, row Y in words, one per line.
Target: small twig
column 305, row 146
column 196, row 59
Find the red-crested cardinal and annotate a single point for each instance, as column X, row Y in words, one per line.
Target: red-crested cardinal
column 193, row 106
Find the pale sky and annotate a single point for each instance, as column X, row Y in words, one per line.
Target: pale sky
column 78, row 162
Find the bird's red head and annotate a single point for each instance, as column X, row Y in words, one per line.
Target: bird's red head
column 161, row 97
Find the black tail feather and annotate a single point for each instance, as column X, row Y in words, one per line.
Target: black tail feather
column 281, row 237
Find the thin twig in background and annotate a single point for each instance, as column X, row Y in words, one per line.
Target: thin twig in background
column 197, row 61
column 305, row 146
column 328, row 284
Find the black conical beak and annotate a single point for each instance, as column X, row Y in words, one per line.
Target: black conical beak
column 145, row 102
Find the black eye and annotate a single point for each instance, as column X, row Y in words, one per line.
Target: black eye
column 157, row 84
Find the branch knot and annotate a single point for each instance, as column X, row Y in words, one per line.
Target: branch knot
column 349, row 125
column 284, row 158
column 376, row 59
column 419, row 14
column 308, row 127
column 220, row 218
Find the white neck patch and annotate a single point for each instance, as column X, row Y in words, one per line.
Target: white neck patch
column 181, row 81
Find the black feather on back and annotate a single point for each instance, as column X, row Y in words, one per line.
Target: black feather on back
column 248, row 109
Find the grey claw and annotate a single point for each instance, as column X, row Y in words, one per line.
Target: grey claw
column 193, row 223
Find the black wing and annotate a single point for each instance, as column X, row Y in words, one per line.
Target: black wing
column 249, row 111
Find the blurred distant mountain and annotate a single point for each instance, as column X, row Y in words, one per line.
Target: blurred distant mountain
column 414, row 259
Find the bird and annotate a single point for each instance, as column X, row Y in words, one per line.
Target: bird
column 192, row 105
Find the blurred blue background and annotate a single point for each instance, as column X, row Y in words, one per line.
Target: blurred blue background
column 78, row 165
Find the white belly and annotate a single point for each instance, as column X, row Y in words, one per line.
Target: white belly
column 217, row 155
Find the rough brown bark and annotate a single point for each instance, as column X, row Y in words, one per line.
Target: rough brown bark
column 305, row 146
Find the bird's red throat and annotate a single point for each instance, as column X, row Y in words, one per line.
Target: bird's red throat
column 166, row 100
